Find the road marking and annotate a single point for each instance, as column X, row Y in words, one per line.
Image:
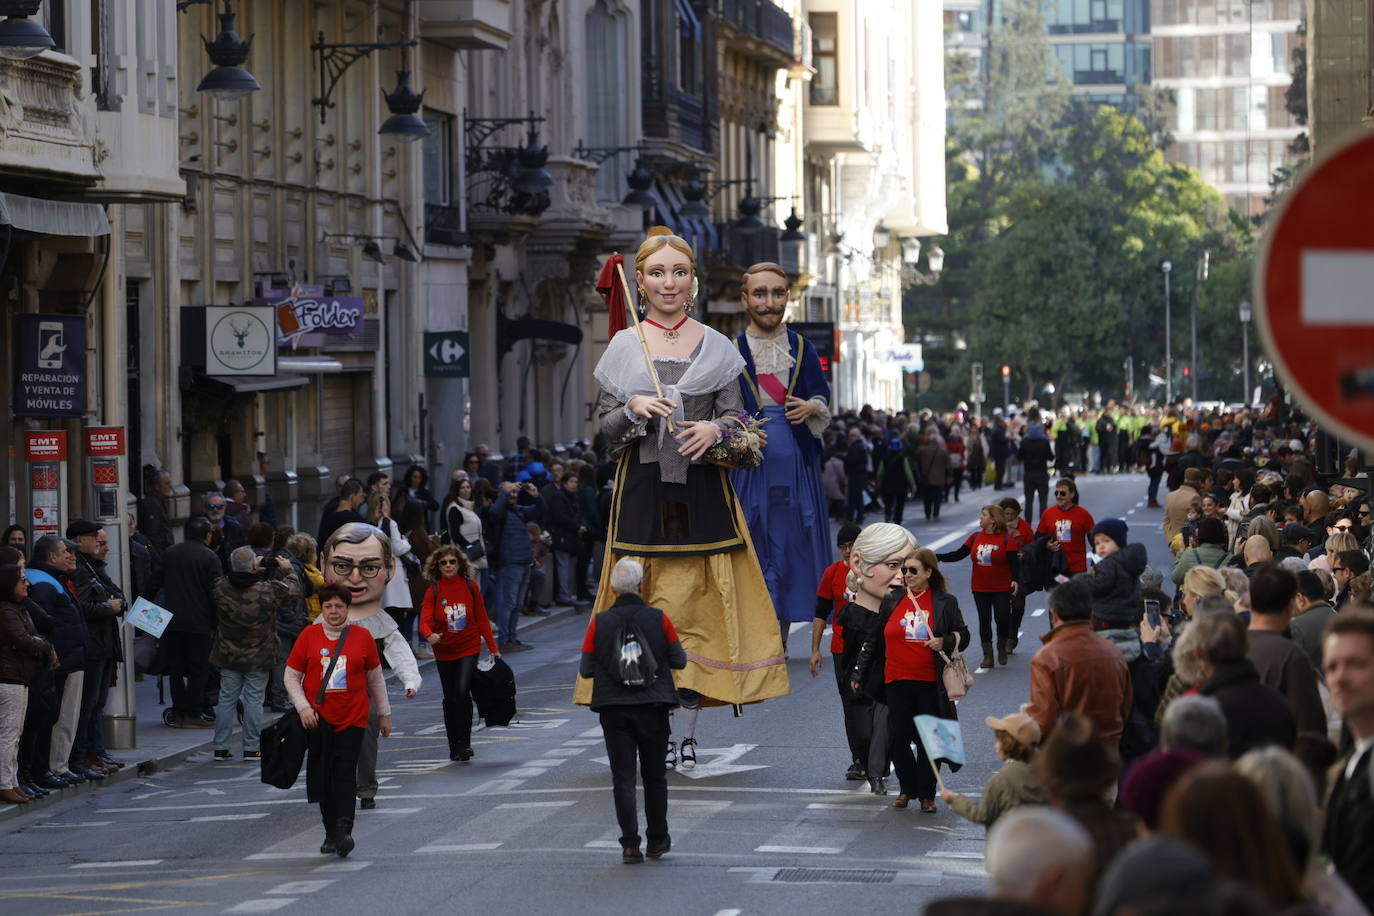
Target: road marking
column 260, row 856
column 127, row 864
column 584, row 742
column 266, row 905
column 590, row 733
column 538, row 804
column 460, row 847
column 350, row 865
column 249, row 804
column 602, row 844
column 204, row 818
column 86, row 824
column 802, row 850
column 397, row 810
column 524, row 773
column 1038, row 612
column 950, row 538
column 301, row 887
column 727, row 912
column 564, row 751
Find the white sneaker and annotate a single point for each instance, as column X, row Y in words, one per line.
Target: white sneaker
column 424, row 651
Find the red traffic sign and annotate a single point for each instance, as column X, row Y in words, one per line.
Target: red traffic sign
column 1314, row 290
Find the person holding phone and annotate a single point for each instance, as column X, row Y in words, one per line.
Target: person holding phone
column 1066, row 527
column 516, row 504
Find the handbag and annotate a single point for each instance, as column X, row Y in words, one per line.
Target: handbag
column 474, row 550
column 956, row 677
column 284, row 742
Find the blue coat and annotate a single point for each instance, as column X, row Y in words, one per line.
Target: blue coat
column 807, row 382
column 70, row 637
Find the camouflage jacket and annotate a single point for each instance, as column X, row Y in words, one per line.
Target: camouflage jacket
column 246, row 613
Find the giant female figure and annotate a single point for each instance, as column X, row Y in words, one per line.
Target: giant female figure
column 675, row 513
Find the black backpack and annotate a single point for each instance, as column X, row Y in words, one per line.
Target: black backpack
column 634, row 665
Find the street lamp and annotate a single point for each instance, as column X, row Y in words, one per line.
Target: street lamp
column 1202, row 264
column 881, row 235
column 228, row 81
column 20, row 37
column 1168, row 339
column 1246, row 313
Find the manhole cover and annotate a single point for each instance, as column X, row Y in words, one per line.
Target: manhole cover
column 834, row 876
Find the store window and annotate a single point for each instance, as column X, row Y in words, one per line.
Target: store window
column 437, row 154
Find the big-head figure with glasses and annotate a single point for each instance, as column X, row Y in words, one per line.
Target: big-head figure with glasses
column 358, row 558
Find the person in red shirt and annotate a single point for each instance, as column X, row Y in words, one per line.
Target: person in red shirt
column 453, row 619
column 996, row 568
column 1067, row 526
column 1022, row 534
column 831, row 598
column 337, row 724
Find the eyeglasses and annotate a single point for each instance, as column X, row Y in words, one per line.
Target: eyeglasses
column 912, row 570
column 449, row 561
column 1343, row 527
column 1336, row 569
column 344, row 569
column 213, row 506
column 1061, row 492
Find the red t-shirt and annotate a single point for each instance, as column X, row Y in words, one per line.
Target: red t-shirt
column 911, row 624
column 459, row 616
column 345, row 700
column 1071, row 529
column 589, row 641
column 834, row 588
column 991, row 568
column 1024, row 532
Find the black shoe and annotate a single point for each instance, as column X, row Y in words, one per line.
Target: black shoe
column 877, row 785
column 224, row 755
column 110, row 761
column 465, row 753
column 856, row 772
column 631, row 855
column 252, row 755
column 51, row 781
column 90, row 775
column 657, row 852
column 70, row 778
column 328, row 847
column 33, row 790
column 367, row 804
column 343, row 837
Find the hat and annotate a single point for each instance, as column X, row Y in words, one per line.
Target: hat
column 81, row 528
column 1151, row 578
column 522, row 476
column 1294, row 532
column 536, row 468
column 1019, row 725
column 1150, row 779
column 1113, row 528
column 848, row 534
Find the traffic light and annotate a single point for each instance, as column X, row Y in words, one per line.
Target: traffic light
column 1006, row 371
column 1186, row 372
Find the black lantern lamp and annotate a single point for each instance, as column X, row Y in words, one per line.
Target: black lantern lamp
column 792, row 229
column 749, row 209
column 640, row 181
column 532, row 178
column 694, row 192
column 21, row 37
column 228, row 81
column 373, row 251
column 403, row 102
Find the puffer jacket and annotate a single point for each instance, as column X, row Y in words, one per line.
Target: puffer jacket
column 21, row 648
column 246, row 605
column 1115, row 586
column 95, row 592
column 54, row 592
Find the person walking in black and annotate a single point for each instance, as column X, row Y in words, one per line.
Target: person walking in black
column 856, row 473
column 1035, row 454
column 999, row 449
column 634, row 720
column 187, row 577
column 102, row 604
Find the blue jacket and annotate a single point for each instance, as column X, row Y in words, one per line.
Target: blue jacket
column 515, row 539
column 70, row 637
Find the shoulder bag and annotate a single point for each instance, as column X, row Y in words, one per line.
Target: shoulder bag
column 284, row 742
column 956, row 677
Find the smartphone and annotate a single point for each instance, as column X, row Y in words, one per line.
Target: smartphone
column 1152, row 612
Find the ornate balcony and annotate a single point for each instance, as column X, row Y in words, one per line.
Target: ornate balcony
column 444, row 225
column 762, row 29
column 46, row 120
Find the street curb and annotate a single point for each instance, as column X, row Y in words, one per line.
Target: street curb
column 152, row 765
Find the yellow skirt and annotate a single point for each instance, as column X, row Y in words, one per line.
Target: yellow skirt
column 720, row 606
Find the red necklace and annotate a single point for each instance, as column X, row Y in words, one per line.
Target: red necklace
column 669, row 334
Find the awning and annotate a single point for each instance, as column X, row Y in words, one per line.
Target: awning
column 308, row 364
column 53, row 217
column 700, row 232
column 248, row 384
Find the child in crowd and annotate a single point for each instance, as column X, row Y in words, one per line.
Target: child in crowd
column 1115, row 586
column 1017, row 736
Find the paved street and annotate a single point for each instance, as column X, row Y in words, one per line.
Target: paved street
column 765, row 824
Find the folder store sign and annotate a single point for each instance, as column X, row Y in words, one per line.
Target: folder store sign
column 306, row 315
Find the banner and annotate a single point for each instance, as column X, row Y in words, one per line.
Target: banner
column 941, row 738
column 49, row 366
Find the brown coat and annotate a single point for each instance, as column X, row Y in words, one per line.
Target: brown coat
column 1080, row 671
column 22, row 650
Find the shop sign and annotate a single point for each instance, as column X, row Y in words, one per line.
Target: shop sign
column 49, row 366
column 305, row 315
column 104, row 440
column 446, row 354
column 48, row 445
column 239, row 340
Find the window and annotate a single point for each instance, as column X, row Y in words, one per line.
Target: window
column 825, row 89
column 605, row 97
column 438, row 159
column 689, row 48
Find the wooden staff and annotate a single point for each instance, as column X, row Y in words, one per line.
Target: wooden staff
column 639, row 332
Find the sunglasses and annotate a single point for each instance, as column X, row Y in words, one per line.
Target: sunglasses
column 213, row 506
column 912, row 570
column 1344, row 527
column 1061, row 492
column 1336, row 569
column 449, row 561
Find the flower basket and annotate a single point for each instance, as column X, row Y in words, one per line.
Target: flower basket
column 739, row 449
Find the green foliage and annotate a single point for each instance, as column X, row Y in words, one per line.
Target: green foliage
column 1060, row 216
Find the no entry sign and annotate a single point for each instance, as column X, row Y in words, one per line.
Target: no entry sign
column 1314, row 290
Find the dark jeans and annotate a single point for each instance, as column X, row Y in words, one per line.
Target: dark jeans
column 1033, row 483
column 39, row 717
column 95, row 690
column 1152, row 492
column 585, row 550
column 905, row 701
column 1001, row 465
column 1018, row 613
column 190, row 674
column 640, row 731
column 931, row 495
column 895, row 504
column 956, row 478
column 854, row 508
column 329, row 772
column 993, row 607
column 865, row 725
column 455, row 676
